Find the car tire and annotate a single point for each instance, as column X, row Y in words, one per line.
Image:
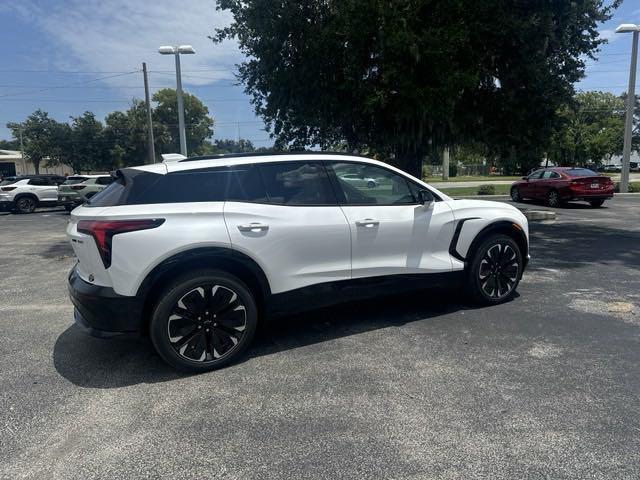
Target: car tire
column 515, row 194
column 26, row 204
column 371, row 184
column 596, row 203
column 553, row 199
column 495, row 270
column 200, row 313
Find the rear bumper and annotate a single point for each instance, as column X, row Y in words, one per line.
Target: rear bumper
column 6, row 204
column 100, row 311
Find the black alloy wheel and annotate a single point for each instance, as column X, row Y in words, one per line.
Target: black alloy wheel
column 25, row 205
column 496, row 270
column 204, row 322
column 515, row 194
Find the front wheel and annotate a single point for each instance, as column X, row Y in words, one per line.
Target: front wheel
column 204, row 320
column 515, row 194
column 495, row 270
column 371, row 184
column 596, row 203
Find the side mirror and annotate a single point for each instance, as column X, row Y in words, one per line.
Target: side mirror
column 425, row 196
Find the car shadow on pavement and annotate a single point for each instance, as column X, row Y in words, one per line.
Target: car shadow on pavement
column 118, row 362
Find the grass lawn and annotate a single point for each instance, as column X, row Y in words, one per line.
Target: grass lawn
column 468, row 191
column 472, row 178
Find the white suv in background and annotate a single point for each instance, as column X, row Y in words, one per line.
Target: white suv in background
column 25, row 194
column 194, row 251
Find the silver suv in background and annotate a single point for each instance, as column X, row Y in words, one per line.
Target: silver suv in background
column 77, row 189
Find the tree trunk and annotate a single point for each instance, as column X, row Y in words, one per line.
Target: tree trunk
column 36, row 165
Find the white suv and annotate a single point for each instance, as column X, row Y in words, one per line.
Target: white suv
column 194, row 251
column 24, row 194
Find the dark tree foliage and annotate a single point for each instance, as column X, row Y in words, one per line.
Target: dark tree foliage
column 403, row 77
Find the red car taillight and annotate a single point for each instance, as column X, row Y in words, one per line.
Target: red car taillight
column 103, row 231
column 77, row 187
column 8, row 189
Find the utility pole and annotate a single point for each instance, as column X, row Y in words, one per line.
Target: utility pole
column 151, row 146
column 22, row 152
column 183, row 135
column 445, row 164
column 628, row 124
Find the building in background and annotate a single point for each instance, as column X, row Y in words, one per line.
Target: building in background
column 12, row 163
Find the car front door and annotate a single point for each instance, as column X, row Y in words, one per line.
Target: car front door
column 286, row 217
column 529, row 188
column 391, row 231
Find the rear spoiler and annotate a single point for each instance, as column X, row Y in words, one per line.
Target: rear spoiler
column 172, row 157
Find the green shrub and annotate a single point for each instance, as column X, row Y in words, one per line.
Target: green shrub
column 486, row 190
column 634, row 187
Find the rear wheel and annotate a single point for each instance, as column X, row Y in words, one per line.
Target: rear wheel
column 371, row 184
column 515, row 194
column 553, row 198
column 26, row 204
column 205, row 320
column 495, row 270
column 596, row 203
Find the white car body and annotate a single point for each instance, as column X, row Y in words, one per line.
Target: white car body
column 43, row 190
column 294, row 246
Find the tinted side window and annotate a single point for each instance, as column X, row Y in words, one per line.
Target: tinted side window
column 536, row 175
column 246, row 185
column 39, row 182
column 297, row 183
column 364, row 184
column 104, row 180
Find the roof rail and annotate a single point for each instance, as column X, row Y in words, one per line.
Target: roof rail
column 263, row 154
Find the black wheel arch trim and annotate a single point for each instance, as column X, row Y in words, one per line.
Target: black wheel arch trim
column 499, row 226
column 203, row 257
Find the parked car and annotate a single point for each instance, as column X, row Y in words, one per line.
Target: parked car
column 359, row 181
column 77, row 189
column 25, row 193
column 561, row 184
column 195, row 251
column 611, row 168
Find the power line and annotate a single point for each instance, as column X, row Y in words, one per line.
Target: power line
column 77, row 83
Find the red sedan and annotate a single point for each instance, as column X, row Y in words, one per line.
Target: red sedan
column 562, row 184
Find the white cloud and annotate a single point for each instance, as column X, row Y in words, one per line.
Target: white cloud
column 609, row 35
column 118, row 35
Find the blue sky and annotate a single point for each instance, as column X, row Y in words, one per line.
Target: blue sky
column 93, row 49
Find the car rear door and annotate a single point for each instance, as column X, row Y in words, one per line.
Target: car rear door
column 44, row 188
column 391, row 231
column 285, row 216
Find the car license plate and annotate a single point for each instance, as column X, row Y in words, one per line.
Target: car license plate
column 595, row 185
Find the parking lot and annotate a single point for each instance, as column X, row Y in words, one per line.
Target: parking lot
column 412, row 386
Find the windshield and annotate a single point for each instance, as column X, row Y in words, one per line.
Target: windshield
column 74, row 180
column 580, row 172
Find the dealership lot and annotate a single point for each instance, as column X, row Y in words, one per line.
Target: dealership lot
column 410, row 386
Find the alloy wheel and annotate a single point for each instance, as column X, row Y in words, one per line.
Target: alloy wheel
column 207, row 323
column 553, row 199
column 515, row 195
column 499, row 270
column 26, row 205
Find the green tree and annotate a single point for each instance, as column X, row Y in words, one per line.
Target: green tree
column 38, row 132
column 591, row 128
column 406, row 77
column 9, row 144
column 198, row 124
column 125, row 136
column 230, row 146
column 80, row 145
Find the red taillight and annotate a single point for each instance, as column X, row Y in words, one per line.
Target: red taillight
column 77, row 187
column 8, row 189
column 103, row 231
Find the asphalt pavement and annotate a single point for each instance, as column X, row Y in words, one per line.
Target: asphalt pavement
column 413, row 386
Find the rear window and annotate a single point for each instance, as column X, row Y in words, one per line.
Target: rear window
column 74, row 180
column 137, row 187
column 580, row 172
column 9, row 181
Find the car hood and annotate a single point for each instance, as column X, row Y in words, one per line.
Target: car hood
column 465, row 208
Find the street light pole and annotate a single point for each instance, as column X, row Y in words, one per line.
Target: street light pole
column 182, row 132
column 177, row 51
column 631, row 102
